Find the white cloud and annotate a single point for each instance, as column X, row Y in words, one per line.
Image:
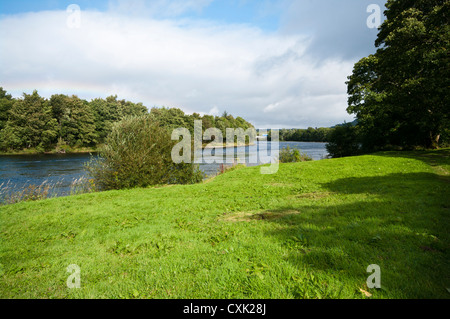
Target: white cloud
column 337, row 28
column 160, row 8
column 214, row 111
column 271, row 107
column 203, row 67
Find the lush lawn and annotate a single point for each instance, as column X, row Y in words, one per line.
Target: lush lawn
column 309, row 231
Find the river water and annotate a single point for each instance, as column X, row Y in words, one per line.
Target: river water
column 61, row 170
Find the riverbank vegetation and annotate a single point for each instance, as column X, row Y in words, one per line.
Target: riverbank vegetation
column 11, row 193
column 310, row 134
column 138, row 153
column 309, row 231
column 34, row 124
column 288, row 155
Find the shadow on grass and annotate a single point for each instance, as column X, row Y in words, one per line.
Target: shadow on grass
column 400, row 222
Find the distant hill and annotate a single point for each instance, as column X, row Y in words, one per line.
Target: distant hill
column 354, row 122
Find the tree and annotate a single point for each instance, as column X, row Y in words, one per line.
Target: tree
column 35, row 122
column 75, row 120
column 208, row 121
column 172, row 118
column 111, row 110
column 30, row 124
column 344, row 141
column 6, row 102
column 400, row 94
column 77, row 123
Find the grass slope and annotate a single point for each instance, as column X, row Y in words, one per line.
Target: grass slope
column 309, row 231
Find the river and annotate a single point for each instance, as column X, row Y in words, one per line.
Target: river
column 61, row 170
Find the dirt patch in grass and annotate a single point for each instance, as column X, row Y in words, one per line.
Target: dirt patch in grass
column 441, row 170
column 251, row 216
column 314, row 195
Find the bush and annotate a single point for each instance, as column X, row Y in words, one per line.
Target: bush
column 344, row 141
column 137, row 153
column 288, row 155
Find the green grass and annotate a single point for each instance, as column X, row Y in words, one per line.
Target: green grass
column 309, row 231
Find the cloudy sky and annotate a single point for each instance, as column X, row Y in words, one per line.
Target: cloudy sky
column 276, row 63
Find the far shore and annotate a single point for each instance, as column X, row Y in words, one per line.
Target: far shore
column 87, row 150
column 224, row 145
column 84, row 150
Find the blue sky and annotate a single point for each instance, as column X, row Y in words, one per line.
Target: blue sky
column 262, row 13
column 277, row 63
column 21, row 6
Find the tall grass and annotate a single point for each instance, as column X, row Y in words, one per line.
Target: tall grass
column 11, row 193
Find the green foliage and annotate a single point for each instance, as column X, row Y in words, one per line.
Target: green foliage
column 107, row 112
column 40, row 124
column 30, row 124
column 137, row 153
column 68, row 122
column 6, row 103
column 310, row 134
column 75, row 119
column 288, row 155
column 400, row 93
column 344, row 141
column 173, row 118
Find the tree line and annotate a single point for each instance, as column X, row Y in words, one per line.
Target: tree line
column 63, row 122
column 310, row 134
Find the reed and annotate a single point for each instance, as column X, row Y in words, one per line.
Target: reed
column 11, row 193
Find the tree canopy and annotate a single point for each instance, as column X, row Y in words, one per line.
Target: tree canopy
column 34, row 122
column 310, row 134
column 400, row 94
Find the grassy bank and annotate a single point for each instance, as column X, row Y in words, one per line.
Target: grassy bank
column 309, row 231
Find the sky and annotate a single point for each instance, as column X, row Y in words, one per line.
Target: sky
column 276, row 63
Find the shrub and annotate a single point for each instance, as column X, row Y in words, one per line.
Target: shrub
column 137, row 153
column 288, row 155
column 344, row 141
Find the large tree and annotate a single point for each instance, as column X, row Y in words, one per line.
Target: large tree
column 6, row 102
column 400, row 93
column 111, row 110
column 30, row 124
column 75, row 120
